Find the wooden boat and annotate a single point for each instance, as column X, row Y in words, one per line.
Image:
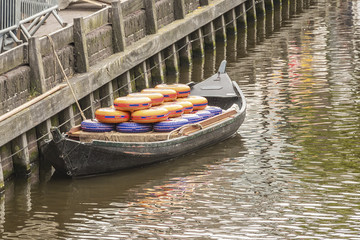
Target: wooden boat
column 79, row 153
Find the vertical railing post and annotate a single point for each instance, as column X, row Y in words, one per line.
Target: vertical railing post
column 151, row 17
column 37, row 82
column 81, row 51
column 118, row 27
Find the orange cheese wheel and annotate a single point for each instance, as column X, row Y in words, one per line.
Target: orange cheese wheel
column 182, row 90
column 111, row 115
column 188, row 106
column 169, row 94
column 198, row 102
column 175, row 110
column 151, row 115
column 156, row 98
column 132, row 103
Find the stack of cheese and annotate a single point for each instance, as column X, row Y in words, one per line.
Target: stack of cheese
column 163, row 108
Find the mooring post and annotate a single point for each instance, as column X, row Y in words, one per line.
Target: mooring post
column 250, row 7
column 106, row 93
column 37, row 82
column 185, row 53
column 157, row 72
column 231, row 48
column 179, row 9
column 260, row 9
column 230, row 22
column 209, row 36
column 277, row 14
column 220, row 29
column 6, row 160
column 21, row 159
column 43, row 132
column 151, row 17
column 197, row 44
column 293, row 7
column 240, row 13
column 269, row 8
column 172, row 62
column 32, row 145
column 119, row 42
column 139, row 74
column 285, row 9
column 128, row 80
column 242, row 30
column 80, row 51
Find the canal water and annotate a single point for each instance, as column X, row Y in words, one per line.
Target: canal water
column 291, row 172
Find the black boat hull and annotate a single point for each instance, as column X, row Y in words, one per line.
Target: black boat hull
column 77, row 158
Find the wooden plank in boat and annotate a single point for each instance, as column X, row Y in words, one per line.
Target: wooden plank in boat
column 207, row 122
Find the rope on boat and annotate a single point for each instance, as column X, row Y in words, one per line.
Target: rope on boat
column 125, row 85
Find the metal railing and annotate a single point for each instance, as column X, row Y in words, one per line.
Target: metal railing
column 15, row 13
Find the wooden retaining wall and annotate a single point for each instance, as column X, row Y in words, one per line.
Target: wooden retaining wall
column 145, row 40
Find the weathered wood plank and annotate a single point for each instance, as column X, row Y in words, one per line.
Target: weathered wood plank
column 61, row 39
column 13, row 58
column 81, row 52
column 151, row 17
column 37, row 82
column 118, row 27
